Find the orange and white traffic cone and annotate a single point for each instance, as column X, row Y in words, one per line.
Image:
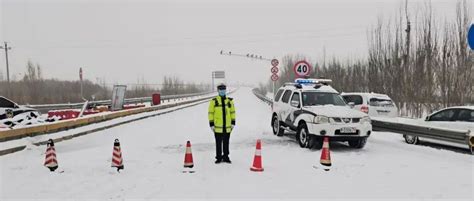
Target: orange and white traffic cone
column 117, row 160
column 50, row 161
column 188, row 157
column 325, row 155
column 257, row 160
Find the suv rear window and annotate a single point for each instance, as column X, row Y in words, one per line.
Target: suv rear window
column 356, row 99
column 381, row 102
column 278, row 95
column 286, row 96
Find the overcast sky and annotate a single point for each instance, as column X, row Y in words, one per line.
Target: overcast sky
column 124, row 40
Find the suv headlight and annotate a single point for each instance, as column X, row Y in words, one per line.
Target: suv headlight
column 321, row 119
column 365, row 120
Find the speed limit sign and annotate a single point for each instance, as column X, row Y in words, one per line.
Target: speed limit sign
column 302, row 68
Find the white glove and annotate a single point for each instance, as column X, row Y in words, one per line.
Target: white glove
column 232, row 127
column 212, row 128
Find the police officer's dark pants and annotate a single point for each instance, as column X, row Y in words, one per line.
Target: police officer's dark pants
column 222, row 145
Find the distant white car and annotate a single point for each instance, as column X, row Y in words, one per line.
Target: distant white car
column 458, row 117
column 314, row 110
column 376, row 105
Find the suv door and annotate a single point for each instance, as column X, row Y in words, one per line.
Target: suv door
column 284, row 105
column 291, row 115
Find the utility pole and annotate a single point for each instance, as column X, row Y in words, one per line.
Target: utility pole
column 6, row 48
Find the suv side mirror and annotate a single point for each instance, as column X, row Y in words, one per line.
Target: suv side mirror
column 427, row 118
column 351, row 104
column 295, row 103
column 16, row 106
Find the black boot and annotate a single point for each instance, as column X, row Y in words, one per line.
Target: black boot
column 218, row 161
column 226, row 160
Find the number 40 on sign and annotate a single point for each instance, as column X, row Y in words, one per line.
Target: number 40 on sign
column 302, row 69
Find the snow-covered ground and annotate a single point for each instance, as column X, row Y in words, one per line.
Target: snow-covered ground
column 153, row 151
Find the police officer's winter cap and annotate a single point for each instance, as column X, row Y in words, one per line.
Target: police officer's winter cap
column 221, row 87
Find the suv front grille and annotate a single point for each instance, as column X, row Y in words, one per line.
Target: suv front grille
column 346, row 120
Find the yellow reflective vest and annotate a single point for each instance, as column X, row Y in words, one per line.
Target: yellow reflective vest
column 221, row 114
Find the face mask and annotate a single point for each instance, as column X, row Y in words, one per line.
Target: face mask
column 221, row 92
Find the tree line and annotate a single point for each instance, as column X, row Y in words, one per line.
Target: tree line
column 420, row 61
column 34, row 89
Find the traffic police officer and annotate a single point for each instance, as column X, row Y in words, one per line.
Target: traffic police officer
column 222, row 121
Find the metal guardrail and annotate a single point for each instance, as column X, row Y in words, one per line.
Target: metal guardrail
column 262, row 97
column 448, row 135
column 47, row 107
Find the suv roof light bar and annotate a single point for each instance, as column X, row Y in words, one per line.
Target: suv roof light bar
column 313, row 81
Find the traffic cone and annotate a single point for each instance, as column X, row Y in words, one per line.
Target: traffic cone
column 50, row 160
column 117, row 160
column 188, row 157
column 257, row 160
column 325, row 155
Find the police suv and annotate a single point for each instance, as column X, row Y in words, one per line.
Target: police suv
column 313, row 109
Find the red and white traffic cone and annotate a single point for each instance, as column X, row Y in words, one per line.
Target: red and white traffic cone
column 188, row 157
column 117, row 160
column 325, row 155
column 257, row 160
column 50, row 160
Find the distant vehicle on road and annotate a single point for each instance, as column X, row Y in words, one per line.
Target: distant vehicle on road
column 459, row 118
column 314, row 110
column 376, row 105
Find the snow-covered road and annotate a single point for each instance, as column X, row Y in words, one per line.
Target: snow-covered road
column 153, row 151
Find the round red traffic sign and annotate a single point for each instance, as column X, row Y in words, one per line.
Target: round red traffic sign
column 274, row 70
column 302, row 68
column 275, row 62
column 274, row 77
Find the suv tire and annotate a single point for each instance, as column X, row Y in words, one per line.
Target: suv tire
column 276, row 126
column 358, row 144
column 302, row 135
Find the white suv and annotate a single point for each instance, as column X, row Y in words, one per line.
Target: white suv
column 314, row 110
column 376, row 105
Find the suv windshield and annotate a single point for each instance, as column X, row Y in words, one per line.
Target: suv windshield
column 319, row 98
